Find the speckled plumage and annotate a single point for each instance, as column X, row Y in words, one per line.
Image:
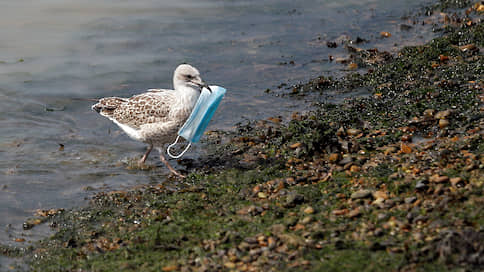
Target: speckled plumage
column 155, row 116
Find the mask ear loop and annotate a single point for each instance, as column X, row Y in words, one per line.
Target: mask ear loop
column 179, row 155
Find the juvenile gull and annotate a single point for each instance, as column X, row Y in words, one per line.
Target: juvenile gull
column 155, row 116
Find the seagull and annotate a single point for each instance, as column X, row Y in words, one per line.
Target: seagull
column 155, row 116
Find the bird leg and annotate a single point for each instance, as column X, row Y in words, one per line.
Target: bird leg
column 145, row 156
column 176, row 173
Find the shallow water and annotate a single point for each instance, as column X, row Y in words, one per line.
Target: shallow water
column 52, row 52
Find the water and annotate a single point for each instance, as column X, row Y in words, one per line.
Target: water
column 52, row 51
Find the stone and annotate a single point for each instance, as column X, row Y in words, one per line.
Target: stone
column 334, row 157
column 439, row 179
column 443, row 114
column 457, row 182
column 410, row 200
column 421, row 185
column 361, row 194
column 353, row 131
column 309, row 210
column 354, row 213
column 293, row 199
column 261, row 195
column 346, row 160
column 443, row 123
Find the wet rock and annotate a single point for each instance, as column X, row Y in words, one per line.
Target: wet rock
column 421, row 218
column 406, row 138
column 293, row 199
column 442, row 114
column 443, row 123
column 457, row 182
column 346, row 160
column 341, row 132
column 309, row 210
column 361, row 194
column 340, row 212
column 306, row 220
column 385, row 34
column 421, row 185
column 229, row 265
column 380, row 194
column 354, row 213
column 378, row 232
column 295, row 145
column 291, row 239
column 334, row 157
column 355, row 168
column 439, row 179
column 410, row 200
column 352, row 66
column 261, row 195
column 407, row 149
column 353, row 131
column 429, row 113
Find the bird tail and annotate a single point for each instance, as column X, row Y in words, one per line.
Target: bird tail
column 106, row 106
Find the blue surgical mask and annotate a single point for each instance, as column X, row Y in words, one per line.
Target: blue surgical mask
column 198, row 120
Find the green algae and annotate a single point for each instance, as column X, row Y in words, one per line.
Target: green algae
column 261, row 183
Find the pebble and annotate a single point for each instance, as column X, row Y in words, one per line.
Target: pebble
column 271, row 243
column 340, row 212
column 306, row 220
column 429, row 113
column 406, row 138
column 410, row 200
column 309, row 210
column 382, row 216
column 261, row 195
column 353, row 131
column 378, row 232
column 355, row 168
column 296, row 145
column 442, row 114
column 385, row 34
column 354, row 213
column 380, row 194
column 439, row 179
column 421, row 184
column 443, row 123
column 334, row 157
column 293, row 199
column 457, row 182
column 405, row 148
column 169, row 268
column 352, row 66
column 346, row 160
column 340, row 132
column 361, row 194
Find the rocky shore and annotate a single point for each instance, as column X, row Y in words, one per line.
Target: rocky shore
column 390, row 181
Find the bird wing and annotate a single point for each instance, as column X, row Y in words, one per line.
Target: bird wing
column 152, row 106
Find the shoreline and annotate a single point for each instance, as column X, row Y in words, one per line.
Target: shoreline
column 390, row 181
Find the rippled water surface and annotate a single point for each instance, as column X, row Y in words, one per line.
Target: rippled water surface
column 52, row 52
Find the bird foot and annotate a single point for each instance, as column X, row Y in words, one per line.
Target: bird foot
column 176, row 173
column 142, row 166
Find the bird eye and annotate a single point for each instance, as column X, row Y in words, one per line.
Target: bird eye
column 189, row 76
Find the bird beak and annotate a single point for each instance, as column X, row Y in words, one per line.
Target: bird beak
column 205, row 85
